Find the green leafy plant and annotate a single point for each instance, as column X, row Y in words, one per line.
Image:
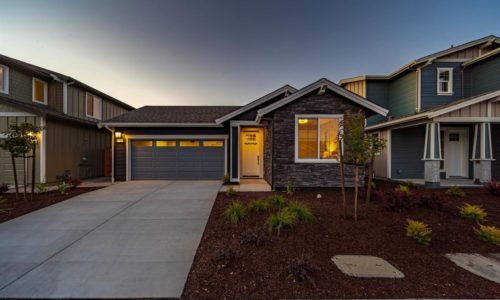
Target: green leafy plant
column 280, row 220
column 258, row 205
column 473, row 212
column 277, row 200
column 404, row 189
column 42, row 188
column 455, row 192
column 63, row 187
column 410, row 184
column 235, row 212
column 419, row 231
column 226, row 179
column 230, row 192
column 301, row 211
column 290, row 187
column 489, row 234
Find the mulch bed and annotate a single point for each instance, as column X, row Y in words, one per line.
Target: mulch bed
column 22, row 207
column 261, row 272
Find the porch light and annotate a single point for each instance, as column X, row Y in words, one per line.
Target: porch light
column 118, row 134
column 302, row 121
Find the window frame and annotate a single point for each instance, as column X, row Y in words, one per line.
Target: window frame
column 6, row 78
column 87, row 94
column 450, row 82
column 45, row 91
column 296, row 142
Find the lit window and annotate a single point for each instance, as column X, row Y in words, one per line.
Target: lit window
column 143, row 144
column 213, row 144
column 39, row 91
column 317, row 139
column 445, row 81
column 190, row 143
column 93, row 106
column 4, row 79
column 166, row 143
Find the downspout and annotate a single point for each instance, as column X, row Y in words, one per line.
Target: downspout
column 112, row 150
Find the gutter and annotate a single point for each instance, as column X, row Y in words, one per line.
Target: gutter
column 135, row 124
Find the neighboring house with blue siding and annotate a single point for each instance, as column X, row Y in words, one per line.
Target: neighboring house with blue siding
column 444, row 114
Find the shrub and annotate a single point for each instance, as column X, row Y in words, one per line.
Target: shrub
column 455, row 192
column 301, row 211
column 290, row 187
column 42, row 188
column 419, row 231
column 63, row 187
column 258, row 205
column 230, row 192
column 4, row 205
column 277, row 200
column 473, row 212
column 280, row 220
column 410, row 184
column 405, row 189
column 73, row 182
column 4, row 188
column 494, row 187
column 489, row 234
column 302, row 269
column 398, row 200
column 255, row 237
column 235, row 212
column 224, row 256
column 226, row 179
column 433, row 201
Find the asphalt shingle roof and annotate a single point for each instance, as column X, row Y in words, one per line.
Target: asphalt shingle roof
column 174, row 114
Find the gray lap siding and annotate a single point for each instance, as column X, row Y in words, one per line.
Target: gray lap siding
column 407, row 146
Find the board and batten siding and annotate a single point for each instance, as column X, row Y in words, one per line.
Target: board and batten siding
column 79, row 149
column 407, row 146
column 77, row 102
column 429, row 95
column 476, row 110
column 402, row 94
column 357, row 87
column 483, row 76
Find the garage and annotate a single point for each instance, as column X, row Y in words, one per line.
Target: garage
column 177, row 159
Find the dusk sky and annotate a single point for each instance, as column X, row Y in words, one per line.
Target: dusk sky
column 231, row 52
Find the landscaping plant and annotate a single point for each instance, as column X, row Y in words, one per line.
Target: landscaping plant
column 73, row 182
column 290, row 187
column 224, row 256
column 277, row 200
column 494, row 187
column 455, row 192
column 473, row 212
column 302, row 269
column 433, row 201
column 398, row 200
column 253, row 236
column 63, row 187
column 301, row 211
column 489, row 234
column 281, row 219
column 235, row 212
column 230, row 192
column 419, row 231
column 226, row 179
column 42, row 188
column 4, row 188
column 375, row 145
column 258, row 205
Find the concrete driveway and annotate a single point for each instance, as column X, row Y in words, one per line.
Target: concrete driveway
column 130, row 240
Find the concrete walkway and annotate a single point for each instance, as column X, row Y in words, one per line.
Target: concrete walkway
column 130, row 240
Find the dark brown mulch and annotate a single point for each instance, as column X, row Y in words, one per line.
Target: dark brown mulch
column 22, row 207
column 261, row 272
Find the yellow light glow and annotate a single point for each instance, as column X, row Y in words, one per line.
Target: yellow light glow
column 302, row 121
column 118, row 134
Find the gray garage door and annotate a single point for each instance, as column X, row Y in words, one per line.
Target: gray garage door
column 177, row 159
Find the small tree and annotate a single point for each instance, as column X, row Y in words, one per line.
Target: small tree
column 374, row 145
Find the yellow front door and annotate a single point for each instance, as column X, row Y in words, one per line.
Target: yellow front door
column 252, row 149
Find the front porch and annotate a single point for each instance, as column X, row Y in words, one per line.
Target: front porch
column 249, row 185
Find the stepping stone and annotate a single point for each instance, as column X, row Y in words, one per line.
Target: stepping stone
column 486, row 267
column 366, row 266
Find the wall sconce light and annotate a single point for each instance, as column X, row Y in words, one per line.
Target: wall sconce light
column 118, row 134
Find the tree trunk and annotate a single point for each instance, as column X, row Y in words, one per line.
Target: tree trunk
column 25, row 174
column 16, row 184
column 370, row 182
column 342, row 182
column 356, row 183
column 33, row 169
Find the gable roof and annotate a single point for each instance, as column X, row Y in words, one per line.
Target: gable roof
column 171, row 116
column 48, row 74
column 320, row 84
column 282, row 90
column 438, row 110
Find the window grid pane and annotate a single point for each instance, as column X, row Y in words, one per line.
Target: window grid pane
column 308, row 138
column 90, row 105
column 190, row 143
column 39, row 91
column 329, row 129
column 166, row 143
column 213, row 144
column 2, row 79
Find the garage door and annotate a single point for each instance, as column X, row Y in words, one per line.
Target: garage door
column 177, row 159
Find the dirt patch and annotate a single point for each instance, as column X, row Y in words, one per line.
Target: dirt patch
column 262, row 272
column 21, row 207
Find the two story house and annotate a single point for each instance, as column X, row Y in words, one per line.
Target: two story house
column 444, row 114
column 69, row 112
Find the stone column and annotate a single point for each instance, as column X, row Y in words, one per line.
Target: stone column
column 482, row 153
column 432, row 155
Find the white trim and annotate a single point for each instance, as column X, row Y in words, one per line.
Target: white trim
column 449, row 92
column 419, row 87
column 43, row 151
column 481, row 57
column 45, row 91
column 65, row 97
column 94, row 97
column 464, row 104
column 491, row 142
column 452, row 60
column 483, row 140
column 296, row 137
column 474, row 144
column 467, row 119
column 432, row 128
column 397, row 121
column 256, row 103
column 6, row 77
column 145, row 124
column 426, row 139
column 316, row 85
column 389, row 153
column 112, row 155
column 16, row 114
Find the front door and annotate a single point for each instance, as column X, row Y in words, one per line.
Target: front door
column 251, row 152
column 456, row 150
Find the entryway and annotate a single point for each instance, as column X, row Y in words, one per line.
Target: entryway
column 455, row 152
column 252, row 150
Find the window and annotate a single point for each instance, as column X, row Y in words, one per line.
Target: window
column 454, row 137
column 4, row 79
column 217, row 144
column 39, row 91
column 166, row 143
column 445, row 81
column 143, row 144
column 93, row 106
column 190, row 143
column 316, row 138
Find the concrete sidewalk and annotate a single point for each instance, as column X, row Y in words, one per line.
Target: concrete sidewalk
column 130, row 240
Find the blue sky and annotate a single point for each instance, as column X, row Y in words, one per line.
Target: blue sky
column 231, row 52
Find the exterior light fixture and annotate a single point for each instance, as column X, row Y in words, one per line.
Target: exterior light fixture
column 118, row 134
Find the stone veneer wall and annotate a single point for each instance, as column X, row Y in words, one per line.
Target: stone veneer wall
column 268, row 156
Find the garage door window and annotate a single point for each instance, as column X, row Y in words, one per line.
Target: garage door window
column 166, row 143
column 216, row 144
column 143, row 144
column 190, row 143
